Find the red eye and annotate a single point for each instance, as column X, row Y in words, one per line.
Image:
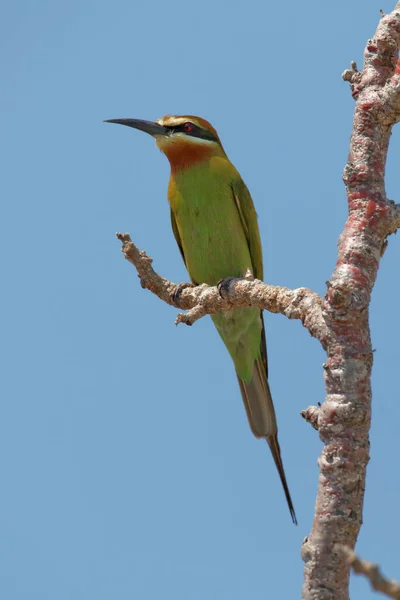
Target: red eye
column 188, row 126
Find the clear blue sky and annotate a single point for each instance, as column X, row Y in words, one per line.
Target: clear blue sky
column 127, row 466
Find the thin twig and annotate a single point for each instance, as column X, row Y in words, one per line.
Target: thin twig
column 389, row 587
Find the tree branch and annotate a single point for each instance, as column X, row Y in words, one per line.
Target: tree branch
column 389, row 587
column 311, row 415
column 204, row 300
column 344, row 417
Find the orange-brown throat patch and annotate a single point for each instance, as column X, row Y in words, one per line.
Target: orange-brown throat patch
column 183, row 154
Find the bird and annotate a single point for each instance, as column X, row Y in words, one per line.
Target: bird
column 216, row 228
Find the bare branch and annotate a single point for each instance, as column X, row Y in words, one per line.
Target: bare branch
column 311, row 416
column 352, row 75
column 344, row 417
column 380, row 60
column 389, row 587
column 204, row 300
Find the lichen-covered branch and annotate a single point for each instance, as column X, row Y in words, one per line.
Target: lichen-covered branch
column 379, row 583
column 311, row 415
column 204, row 300
column 344, row 417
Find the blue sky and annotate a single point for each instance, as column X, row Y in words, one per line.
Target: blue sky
column 127, row 466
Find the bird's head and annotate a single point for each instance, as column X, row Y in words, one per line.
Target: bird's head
column 185, row 140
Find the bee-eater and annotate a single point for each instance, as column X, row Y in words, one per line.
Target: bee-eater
column 215, row 226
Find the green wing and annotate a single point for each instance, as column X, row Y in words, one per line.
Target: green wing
column 256, row 394
column 179, row 242
column 248, row 216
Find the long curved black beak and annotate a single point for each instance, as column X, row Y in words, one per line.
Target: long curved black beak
column 147, row 126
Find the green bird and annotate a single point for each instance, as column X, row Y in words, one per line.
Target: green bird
column 215, row 226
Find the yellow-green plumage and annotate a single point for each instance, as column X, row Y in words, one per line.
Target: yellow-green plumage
column 210, row 231
column 215, row 225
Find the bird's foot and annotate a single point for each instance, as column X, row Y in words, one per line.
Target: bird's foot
column 176, row 294
column 223, row 286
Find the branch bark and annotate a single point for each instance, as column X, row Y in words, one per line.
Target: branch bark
column 340, row 321
column 389, row 587
column 344, row 417
column 202, row 300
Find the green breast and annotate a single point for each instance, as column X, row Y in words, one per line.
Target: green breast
column 208, row 221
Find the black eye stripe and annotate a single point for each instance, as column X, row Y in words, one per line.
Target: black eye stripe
column 195, row 132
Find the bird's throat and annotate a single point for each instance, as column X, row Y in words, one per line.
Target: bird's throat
column 184, row 154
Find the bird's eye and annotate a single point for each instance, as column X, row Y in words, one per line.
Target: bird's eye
column 188, row 126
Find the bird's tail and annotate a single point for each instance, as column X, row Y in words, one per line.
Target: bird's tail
column 262, row 419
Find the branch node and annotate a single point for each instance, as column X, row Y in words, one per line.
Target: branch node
column 311, row 415
column 193, row 315
column 249, row 275
column 384, row 246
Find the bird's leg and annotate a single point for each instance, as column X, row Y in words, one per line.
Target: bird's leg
column 223, row 286
column 176, row 294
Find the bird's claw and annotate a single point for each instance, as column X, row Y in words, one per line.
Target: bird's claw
column 223, row 286
column 179, row 289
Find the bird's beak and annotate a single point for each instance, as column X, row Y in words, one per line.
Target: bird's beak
column 147, row 126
